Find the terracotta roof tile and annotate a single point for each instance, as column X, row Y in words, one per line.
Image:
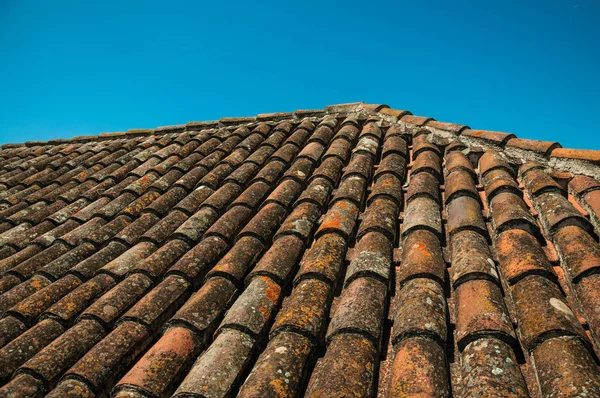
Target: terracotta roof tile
column 481, row 312
column 520, row 255
column 305, row 310
column 492, row 137
column 541, row 147
column 324, row 259
column 557, row 211
column 464, row 213
column 452, row 127
column 510, row 211
column 582, row 184
column 460, row 183
column 421, row 256
column 309, row 113
column 538, row 181
column 349, row 365
column 455, row 146
column 421, row 143
column 275, row 116
column 26, row 345
column 422, row 213
column 233, row 350
column 498, row 181
column 398, row 114
column 456, row 160
column 23, row 385
column 421, row 310
column 576, row 154
column 423, row 185
column 279, row 370
column 416, row 120
column 428, row 162
column 72, row 388
column 490, row 367
column 32, row 307
column 492, row 160
column 546, row 311
column 559, row 376
column 283, row 254
column 360, row 309
column 69, row 306
column 471, row 258
column 591, row 202
column 417, row 368
column 118, row 348
column 64, row 351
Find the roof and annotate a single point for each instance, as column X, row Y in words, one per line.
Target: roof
column 353, row 251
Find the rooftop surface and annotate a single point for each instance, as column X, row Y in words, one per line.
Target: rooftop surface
column 355, row 251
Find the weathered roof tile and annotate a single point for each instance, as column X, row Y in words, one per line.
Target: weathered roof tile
column 281, row 233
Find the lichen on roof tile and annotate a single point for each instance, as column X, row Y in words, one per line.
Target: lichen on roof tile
column 355, row 250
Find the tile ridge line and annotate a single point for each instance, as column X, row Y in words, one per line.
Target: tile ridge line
column 225, row 122
column 518, row 150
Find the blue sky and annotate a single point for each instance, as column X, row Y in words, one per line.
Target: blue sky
column 82, row 67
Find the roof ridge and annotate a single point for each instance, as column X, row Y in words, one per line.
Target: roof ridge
column 549, row 153
column 518, row 150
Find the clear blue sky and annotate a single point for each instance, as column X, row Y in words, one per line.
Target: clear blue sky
column 84, row 67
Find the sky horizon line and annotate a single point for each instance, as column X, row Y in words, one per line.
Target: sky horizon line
column 81, row 68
